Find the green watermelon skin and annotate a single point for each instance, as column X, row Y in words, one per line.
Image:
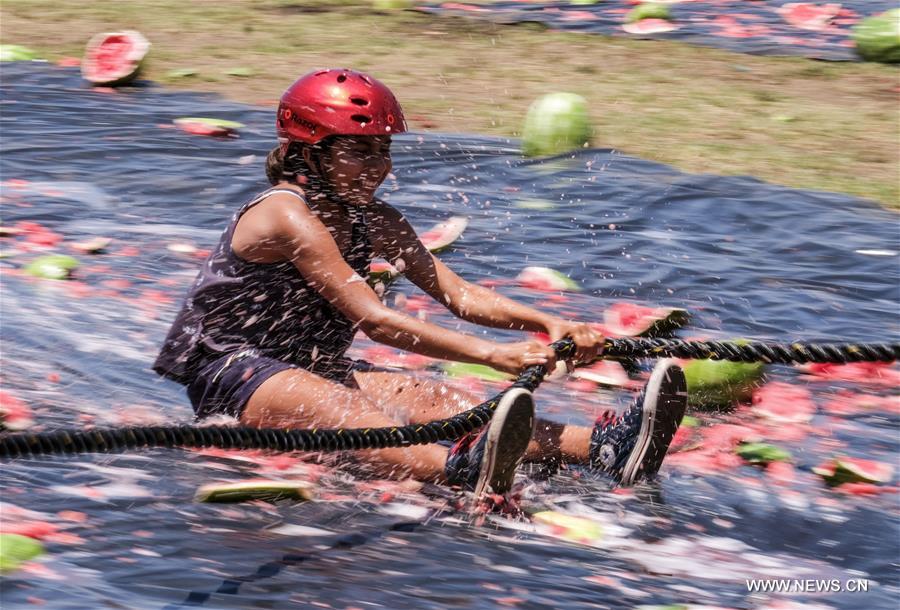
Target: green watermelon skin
column 714, row 384
column 556, row 123
column 877, row 38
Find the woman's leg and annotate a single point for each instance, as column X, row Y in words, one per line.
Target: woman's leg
column 300, row 399
column 416, row 400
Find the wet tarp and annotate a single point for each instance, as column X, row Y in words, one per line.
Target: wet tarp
column 747, row 258
column 818, row 30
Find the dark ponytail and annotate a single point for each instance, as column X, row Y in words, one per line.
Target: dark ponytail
column 291, row 167
column 275, row 166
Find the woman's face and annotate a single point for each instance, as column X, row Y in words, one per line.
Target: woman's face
column 356, row 166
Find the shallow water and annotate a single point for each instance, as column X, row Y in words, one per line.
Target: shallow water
column 745, row 257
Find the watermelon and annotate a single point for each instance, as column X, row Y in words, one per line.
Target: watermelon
column 648, row 10
column 543, row 278
column 114, row 58
column 52, row 267
column 649, row 26
column 719, row 383
column 783, row 403
column 631, row 320
column 14, row 52
column 762, row 453
column 442, row 235
column 16, row 549
column 240, row 72
column 556, row 123
column 854, row 470
column 808, row 16
column 877, row 38
column 95, row 245
column 255, row 489
column 608, row 373
column 478, row 371
column 386, row 5
column 569, row 527
column 203, row 126
column 14, row 413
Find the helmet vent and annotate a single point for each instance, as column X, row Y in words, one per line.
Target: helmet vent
column 341, row 78
column 359, row 101
column 361, row 118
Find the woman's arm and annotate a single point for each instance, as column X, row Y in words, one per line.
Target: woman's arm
column 397, row 242
column 294, row 231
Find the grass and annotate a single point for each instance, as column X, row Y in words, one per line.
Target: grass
column 793, row 121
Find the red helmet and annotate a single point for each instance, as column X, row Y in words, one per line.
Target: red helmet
column 337, row 102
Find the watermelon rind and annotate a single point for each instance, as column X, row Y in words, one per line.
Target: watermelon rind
column 16, row 549
column 14, row 52
column 443, row 234
column 52, row 267
column 265, row 490
column 556, row 123
column 648, row 10
column 716, row 384
column 129, row 65
column 210, row 122
column 762, row 453
column 479, row 371
column 551, row 278
column 877, row 38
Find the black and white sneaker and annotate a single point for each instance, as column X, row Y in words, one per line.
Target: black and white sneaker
column 633, row 445
column 485, row 461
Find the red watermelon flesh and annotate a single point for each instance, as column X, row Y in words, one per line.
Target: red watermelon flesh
column 649, row 26
column 114, row 58
column 808, row 16
column 631, row 320
column 877, row 373
column 867, row 471
column 783, row 403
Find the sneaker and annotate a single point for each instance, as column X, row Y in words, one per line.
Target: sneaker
column 485, row 461
column 633, row 444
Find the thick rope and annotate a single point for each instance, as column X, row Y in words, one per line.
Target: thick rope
column 23, row 444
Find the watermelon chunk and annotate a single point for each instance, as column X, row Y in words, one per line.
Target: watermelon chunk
column 543, row 278
column 716, row 384
column 783, row 403
column 808, row 16
column 442, row 235
column 16, row 549
column 625, row 319
column 255, row 489
column 844, row 469
column 114, row 58
column 762, row 453
column 202, row 126
column 52, row 267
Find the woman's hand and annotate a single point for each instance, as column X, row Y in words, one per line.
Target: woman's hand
column 515, row 357
column 588, row 342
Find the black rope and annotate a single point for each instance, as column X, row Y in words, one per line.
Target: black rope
column 91, row 440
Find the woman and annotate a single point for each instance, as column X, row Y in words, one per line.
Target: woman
column 263, row 332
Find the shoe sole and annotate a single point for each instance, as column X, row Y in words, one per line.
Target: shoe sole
column 508, row 435
column 665, row 401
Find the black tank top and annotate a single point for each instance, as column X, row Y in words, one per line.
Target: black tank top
column 235, row 304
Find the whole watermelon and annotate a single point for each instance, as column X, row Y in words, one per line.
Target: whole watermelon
column 877, row 38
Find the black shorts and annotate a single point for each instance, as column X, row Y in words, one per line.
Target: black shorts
column 224, row 386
